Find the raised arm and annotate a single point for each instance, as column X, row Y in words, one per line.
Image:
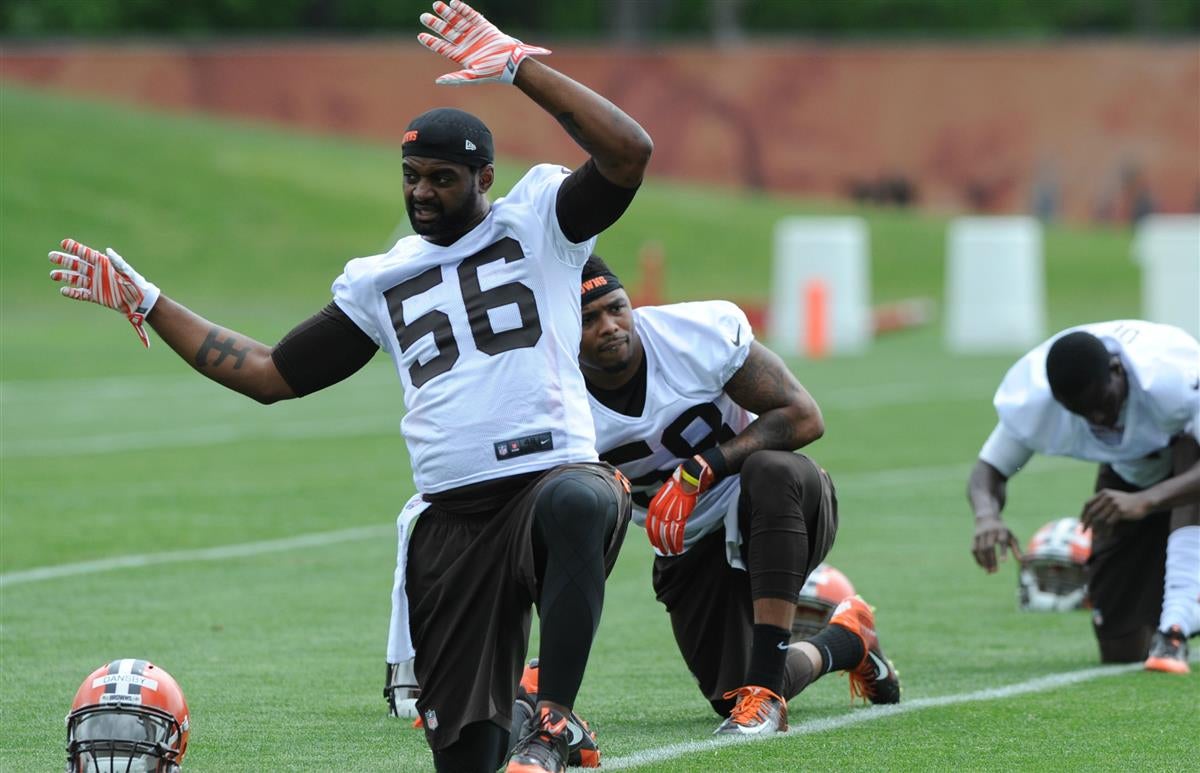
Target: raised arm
column 788, row 417
column 619, row 147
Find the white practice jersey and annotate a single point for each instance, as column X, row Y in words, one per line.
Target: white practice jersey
column 1162, row 364
column 485, row 336
column 691, row 349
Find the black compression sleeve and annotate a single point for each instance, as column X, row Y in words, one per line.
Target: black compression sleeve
column 322, row 350
column 588, row 203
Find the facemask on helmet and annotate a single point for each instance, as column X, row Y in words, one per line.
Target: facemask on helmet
column 128, row 716
column 824, row 589
column 1053, row 577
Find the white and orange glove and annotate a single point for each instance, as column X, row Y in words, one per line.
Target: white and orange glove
column 669, row 510
column 470, row 40
column 105, row 279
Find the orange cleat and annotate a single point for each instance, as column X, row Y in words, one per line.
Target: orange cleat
column 874, row 678
column 758, row 711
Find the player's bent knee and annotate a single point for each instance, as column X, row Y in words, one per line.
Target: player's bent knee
column 1131, row 648
column 576, row 505
column 768, row 472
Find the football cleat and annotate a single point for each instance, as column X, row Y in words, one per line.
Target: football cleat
column 583, row 750
column 544, row 746
column 758, row 711
column 1169, row 652
column 874, row 678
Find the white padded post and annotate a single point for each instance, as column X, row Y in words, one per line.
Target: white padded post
column 1168, row 249
column 823, row 259
column 995, row 284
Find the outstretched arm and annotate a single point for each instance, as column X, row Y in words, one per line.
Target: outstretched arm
column 231, row 359
column 788, row 417
column 318, row 352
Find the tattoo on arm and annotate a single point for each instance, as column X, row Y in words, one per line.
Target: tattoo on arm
column 573, row 130
column 765, row 386
column 763, row 382
column 223, row 348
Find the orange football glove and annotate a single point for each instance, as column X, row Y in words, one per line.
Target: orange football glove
column 666, row 518
column 106, row 279
column 470, row 40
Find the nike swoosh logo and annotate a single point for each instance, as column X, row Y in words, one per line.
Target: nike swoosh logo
column 576, row 734
column 738, row 338
column 782, row 645
column 881, row 666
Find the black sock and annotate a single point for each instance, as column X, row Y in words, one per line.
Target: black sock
column 840, row 648
column 768, row 653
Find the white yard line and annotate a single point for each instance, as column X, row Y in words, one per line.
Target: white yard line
column 207, row 435
column 1041, row 684
column 219, row 553
column 847, row 482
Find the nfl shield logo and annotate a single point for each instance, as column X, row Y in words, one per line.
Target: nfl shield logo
column 431, row 719
column 501, row 450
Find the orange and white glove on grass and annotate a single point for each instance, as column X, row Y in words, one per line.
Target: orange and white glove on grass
column 105, row 279
column 467, row 38
column 669, row 510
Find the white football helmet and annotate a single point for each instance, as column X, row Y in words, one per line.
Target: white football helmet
column 128, row 716
column 401, row 690
column 1052, row 577
column 824, row 589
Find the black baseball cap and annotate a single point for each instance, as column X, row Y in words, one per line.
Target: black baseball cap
column 451, row 135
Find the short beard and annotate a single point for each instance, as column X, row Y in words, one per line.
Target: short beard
column 448, row 224
column 617, row 368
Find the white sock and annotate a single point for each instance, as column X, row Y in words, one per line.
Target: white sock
column 1181, row 591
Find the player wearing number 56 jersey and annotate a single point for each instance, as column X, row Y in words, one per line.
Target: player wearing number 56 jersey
column 704, row 420
column 479, row 313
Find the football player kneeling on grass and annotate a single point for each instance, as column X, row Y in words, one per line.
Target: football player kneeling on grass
column 1125, row 394
column 704, row 421
column 477, row 311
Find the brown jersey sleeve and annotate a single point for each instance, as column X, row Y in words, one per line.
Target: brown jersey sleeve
column 588, row 203
column 322, row 350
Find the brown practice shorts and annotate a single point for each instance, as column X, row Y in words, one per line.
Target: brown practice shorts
column 470, row 581
column 712, row 613
column 1125, row 574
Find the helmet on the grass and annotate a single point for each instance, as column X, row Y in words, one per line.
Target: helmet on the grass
column 824, row 589
column 1052, row 577
column 128, row 716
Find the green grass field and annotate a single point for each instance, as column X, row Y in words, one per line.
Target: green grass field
column 109, row 451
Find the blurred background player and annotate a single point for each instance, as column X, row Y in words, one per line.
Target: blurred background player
column 477, row 311
column 704, row 421
column 128, row 716
column 1125, row 394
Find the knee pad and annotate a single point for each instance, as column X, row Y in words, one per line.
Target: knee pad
column 575, row 506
